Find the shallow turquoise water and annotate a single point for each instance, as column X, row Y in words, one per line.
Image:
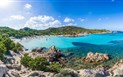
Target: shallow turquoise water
column 111, row 44
column 68, row 42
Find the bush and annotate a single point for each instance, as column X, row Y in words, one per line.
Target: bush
column 25, row 60
column 55, row 67
column 17, row 47
column 40, row 63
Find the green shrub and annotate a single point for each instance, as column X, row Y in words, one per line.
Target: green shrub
column 40, row 63
column 55, row 67
column 25, row 60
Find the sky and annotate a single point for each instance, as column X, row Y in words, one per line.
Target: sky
column 42, row 14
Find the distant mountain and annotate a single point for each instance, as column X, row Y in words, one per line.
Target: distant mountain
column 73, row 30
column 25, row 29
column 65, row 30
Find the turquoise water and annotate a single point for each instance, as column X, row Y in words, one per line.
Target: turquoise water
column 111, row 44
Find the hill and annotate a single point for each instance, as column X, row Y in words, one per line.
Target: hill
column 65, row 30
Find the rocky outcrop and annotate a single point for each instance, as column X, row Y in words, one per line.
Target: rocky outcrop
column 39, row 50
column 52, row 55
column 67, row 73
column 14, row 66
column 12, row 73
column 14, row 57
column 39, row 74
column 93, row 73
column 15, row 69
column 35, row 74
column 3, row 70
column 55, row 55
column 97, row 57
column 117, row 69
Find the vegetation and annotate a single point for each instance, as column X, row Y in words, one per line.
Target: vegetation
column 50, row 31
column 7, row 44
column 40, row 63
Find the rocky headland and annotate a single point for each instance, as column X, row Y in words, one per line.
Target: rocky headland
column 14, row 68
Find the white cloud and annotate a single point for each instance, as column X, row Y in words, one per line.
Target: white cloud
column 42, row 22
column 71, row 24
column 82, row 19
column 28, row 6
column 68, row 19
column 17, row 17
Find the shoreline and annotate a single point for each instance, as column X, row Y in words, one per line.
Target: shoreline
column 20, row 69
column 67, row 35
column 20, row 40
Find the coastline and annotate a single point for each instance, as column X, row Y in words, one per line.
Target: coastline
column 88, row 67
column 67, row 35
column 24, row 39
column 20, row 70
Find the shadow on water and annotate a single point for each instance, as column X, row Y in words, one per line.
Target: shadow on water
column 117, row 42
column 82, row 44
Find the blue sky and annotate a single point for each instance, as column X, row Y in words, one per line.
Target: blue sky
column 42, row 14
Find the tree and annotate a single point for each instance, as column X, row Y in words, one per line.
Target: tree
column 9, row 44
column 17, row 47
column 2, row 50
column 25, row 60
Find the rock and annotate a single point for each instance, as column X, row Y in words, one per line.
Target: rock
column 39, row 50
column 13, row 73
column 67, row 73
column 11, row 60
column 48, row 74
column 3, row 70
column 13, row 57
column 1, row 62
column 52, row 49
column 97, row 57
column 117, row 69
column 14, row 66
column 12, row 53
column 93, row 73
column 34, row 50
column 36, row 74
column 54, row 54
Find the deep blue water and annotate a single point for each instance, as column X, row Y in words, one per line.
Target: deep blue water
column 111, row 44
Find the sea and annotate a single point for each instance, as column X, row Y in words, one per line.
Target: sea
column 110, row 43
